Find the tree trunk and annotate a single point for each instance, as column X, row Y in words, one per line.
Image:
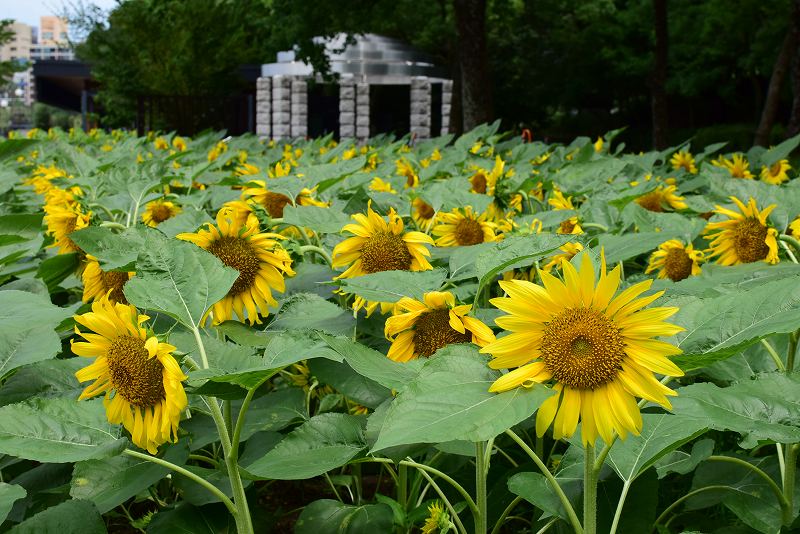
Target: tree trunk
column 794, row 119
column 476, row 100
column 773, row 98
column 659, row 83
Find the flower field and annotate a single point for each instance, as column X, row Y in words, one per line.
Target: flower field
column 471, row 334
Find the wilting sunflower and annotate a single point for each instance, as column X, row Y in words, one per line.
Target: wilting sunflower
column 98, row 283
column 661, row 198
column 569, row 226
column 737, row 166
column 159, row 211
column 776, row 173
column 261, row 261
column 485, row 182
column 438, row 520
column 675, row 261
column 140, row 378
column 568, row 251
column 421, row 328
column 683, row 160
column 463, row 227
column 559, row 202
column 62, row 221
column 423, row 214
column 596, row 348
column 377, row 246
column 744, row 237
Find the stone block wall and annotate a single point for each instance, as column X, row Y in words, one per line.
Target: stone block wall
column 447, row 100
column 347, row 108
column 264, row 107
column 362, row 112
column 420, row 107
column 281, row 107
column 299, row 108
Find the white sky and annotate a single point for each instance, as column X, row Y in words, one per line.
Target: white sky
column 29, row 11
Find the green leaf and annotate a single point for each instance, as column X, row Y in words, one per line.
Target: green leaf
column 112, row 481
column 624, row 247
column 324, row 442
column 58, row 430
column 767, row 408
column 189, row 220
column 781, row 151
column 56, row 269
column 391, row 286
column 11, row 147
column 25, row 225
column 188, row 519
column 316, row 218
column 113, row 250
column 536, row 489
column 9, row 494
column 327, row 516
column 344, row 379
column 327, row 174
column 681, row 462
column 450, row 400
column 309, row 311
column 179, row 279
column 661, row 433
column 69, row 516
column 514, row 252
column 43, row 379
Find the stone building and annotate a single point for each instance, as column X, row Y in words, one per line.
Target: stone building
column 383, row 86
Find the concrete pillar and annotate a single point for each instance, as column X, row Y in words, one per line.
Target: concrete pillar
column 299, row 99
column 421, row 107
column 447, row 100
column 347, row 107
column 362, row 111
column 281, row 107
column 264, row 107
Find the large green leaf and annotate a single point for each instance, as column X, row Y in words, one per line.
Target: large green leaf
column 178, row 278
column 767, row 408
column 624, row 247
column 43, row 379
column 391, row 286
column 9, row 494
column 302, row 311
column 537, row 490
column 58, row 430
column 514, row 252
column 187, row 519
column 69, row 516
column 345, row 380
column 324, row 442
column 326, row 516
column 113, row 250
column 318, row 219
column 450, row 400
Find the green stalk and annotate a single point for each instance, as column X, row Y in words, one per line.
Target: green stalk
column 788, row 482
column 402, row 486
column 792, row 241
column 790, row 354
column 505, row 513
column 775, row 357
column 689, row 495
column 319, row 250
column 589, row 491
column 481, row 469
column 779, row 493
column 450, row 508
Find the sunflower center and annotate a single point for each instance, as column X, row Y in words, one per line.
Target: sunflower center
column 160, row 213
column 479, row 183
column 274, row 203
column 677, row 264
column 385, row 251
column 750, row 240
column 651, row 202
column 115, row 281
column 425, row 210
column 237, row 253
column 433, row 331
column 582, row 348
column 566, row 227
column 775, row 169
column 136, row 376
column 469, row 232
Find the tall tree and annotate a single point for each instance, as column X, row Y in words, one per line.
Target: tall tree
column 8, row 68
column 793, row 128
column 473, row 63
column 659, row 79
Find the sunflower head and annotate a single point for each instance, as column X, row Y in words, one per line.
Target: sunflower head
column 98, row 283
column 61, row 221
column 737, row 166
column 559, row 202
column 159, row 211
column 661, row 198
column 566, row 252
column 463, row 227
column 138, row 374
column 420, row 328
column 381, row 186
column 777, row 173
column 438, row 520
column 569, row 226
column 423, row 214
column 683, row 160
column 404, row 168
column 675, row 261
column 593, row 345
column 743, row 237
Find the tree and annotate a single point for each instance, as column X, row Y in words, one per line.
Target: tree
column 473, row 64
column 8, row 68
column 659, row 79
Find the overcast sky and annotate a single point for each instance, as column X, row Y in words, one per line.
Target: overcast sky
column 29, row 11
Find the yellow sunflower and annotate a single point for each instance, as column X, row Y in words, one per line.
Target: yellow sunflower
column 463, row 227
column 598, row 145
column 421, row 328
column 404, row 168
column 159, row 211
column 140, row 378
column 484, row 182
column 161, row 144
column 597, row 349
column 569, row 226
column 179, row 143
column 381, row 186
column 273, row 202
column 62, row 221
column 559, row 201
column 438, row 520
column 737, row 166
column 660, row 198
column 683, row 160
column 675, row 261
column 568, row 251
column 423, row 214
column 98, row 283
column 261, row 261
column 744, row 237
column 794, row 226
column 376, row 246
column 776, row 173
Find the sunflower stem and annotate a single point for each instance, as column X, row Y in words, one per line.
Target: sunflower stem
column 505, row 513
column 447, row 503
column 790, row 240
column 792, row 350
column 779, row 493
column 481, row 470
column 788, row 482
column 689, row 495
column 188, row 474
column 589, row 491
column 573, row 518
column 319, row 250
column 775, row 357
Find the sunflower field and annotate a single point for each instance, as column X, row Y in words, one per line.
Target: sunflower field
column 481, row 334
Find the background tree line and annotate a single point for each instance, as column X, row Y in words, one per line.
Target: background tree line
column 666, row 69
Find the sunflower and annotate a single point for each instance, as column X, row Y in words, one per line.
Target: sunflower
column 660, row 198
column 98, row 283
column 62, row 221
column 559, row 202
column 273, row 202
column 423, row 214
column 404, row 168
column 261, row 261
column 596, row 349
column 568, row 251
column 737, row 166
column 378, row 245
column 794, row 226
column 484, row 182
column 419, row 329
column 683, row 160
column 463, row 227
column 140, row 378
column 598, row 145
column 179, row 143
column 159, row 211
column 675, row 261
column 569, row 227
column 379, row 185
column 744, row 237
column 220, row 148
column 775, row 174
column 438, row 520
column 161, row 144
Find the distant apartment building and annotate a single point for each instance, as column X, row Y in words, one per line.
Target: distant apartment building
column 19, row 48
